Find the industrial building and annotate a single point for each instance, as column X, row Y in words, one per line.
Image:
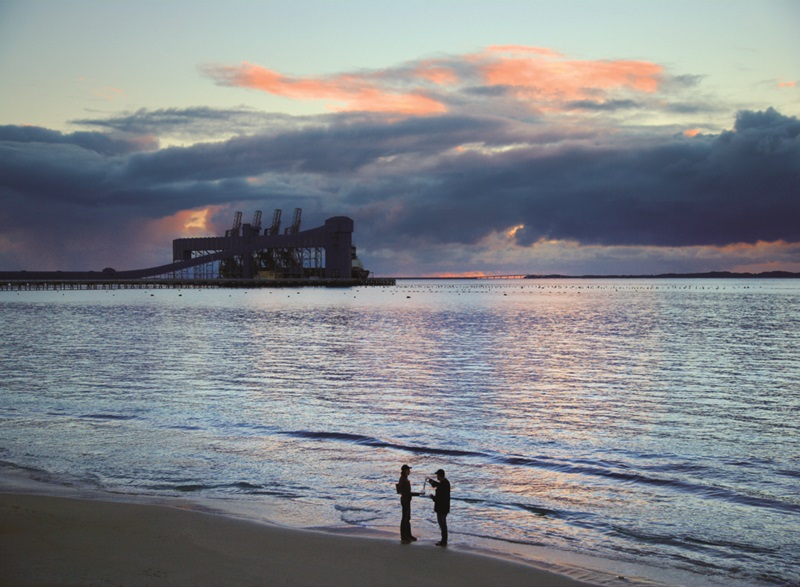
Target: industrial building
column 247, row 251
column 247, row 255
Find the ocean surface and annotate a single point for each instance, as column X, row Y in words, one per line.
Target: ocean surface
column 646, row 422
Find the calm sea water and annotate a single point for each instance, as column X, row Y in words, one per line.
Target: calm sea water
column 645, row 421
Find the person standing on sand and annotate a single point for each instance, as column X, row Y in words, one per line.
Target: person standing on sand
column 404, row 489
column 441, row 501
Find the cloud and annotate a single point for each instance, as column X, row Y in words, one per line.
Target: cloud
column 346, row 92
column 537, row 78
column 544, row 76
column 411, row 185
column 102, row 144
column 606, row 106
column 538, row 163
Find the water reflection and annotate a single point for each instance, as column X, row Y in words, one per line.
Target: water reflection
column 632, row 419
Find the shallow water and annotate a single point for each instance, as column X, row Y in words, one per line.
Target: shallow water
column 646, row 421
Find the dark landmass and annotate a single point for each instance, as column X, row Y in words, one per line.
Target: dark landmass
column 709, row 275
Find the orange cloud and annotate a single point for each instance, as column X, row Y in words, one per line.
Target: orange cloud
column 536, row 74
column 437, row 74
column 791, row 84
column 692, row 132
column 186, row 223
column 522, row 49
column 539, row 74
column 355, row 92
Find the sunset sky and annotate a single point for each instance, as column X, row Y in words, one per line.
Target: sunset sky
column 462, row 137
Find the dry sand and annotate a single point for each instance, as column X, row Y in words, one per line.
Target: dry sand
column 62, row 541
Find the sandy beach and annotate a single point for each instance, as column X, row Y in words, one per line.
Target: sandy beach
column 65, row 541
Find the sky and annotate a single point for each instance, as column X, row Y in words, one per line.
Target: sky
column 462, row 137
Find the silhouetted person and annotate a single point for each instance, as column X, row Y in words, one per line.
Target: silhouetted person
column 404, row 489
column 441, row 501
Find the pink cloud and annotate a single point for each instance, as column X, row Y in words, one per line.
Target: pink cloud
column 353, row 91
column 524, row 49
column 437, row 74
column 542, row 74
column 538, row 76
column 790, row 84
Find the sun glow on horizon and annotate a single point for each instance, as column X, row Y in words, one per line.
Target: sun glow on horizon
column 186, row 223
column 512, row 232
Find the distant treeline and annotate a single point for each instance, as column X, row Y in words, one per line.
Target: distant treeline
column 709, row 275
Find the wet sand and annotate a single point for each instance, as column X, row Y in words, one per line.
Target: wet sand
column 63, row 541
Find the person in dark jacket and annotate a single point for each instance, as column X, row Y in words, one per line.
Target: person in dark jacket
column 404, row 489
column 441, row 501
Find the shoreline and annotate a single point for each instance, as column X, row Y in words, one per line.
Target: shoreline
column 49, row 540
column 542, row 565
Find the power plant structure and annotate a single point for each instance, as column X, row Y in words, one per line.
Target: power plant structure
column 246, row 256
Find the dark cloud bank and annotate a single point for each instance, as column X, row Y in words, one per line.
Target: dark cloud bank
column 81, row 200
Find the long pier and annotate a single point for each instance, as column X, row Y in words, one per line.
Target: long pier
column 214, row 283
